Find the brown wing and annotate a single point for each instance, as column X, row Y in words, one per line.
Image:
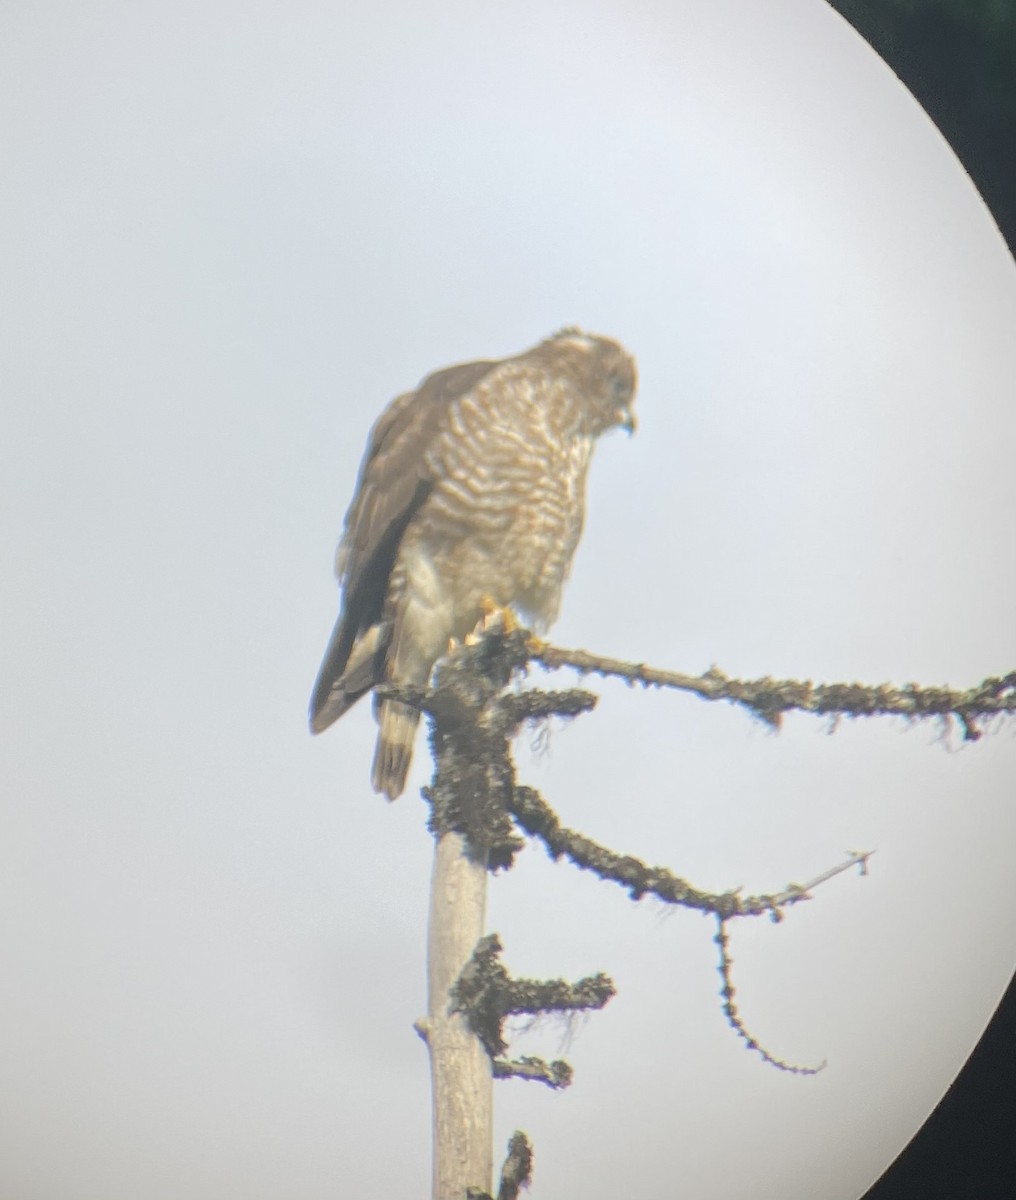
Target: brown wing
column 392, row 484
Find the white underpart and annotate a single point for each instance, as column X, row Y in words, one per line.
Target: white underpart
column 428, row 615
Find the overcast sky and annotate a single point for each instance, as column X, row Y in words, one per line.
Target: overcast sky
column 229, row 234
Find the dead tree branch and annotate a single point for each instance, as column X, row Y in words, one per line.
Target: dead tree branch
column 556, row 1075
column 477, row 811
column 516, row 1173
column 486, row 994
column 474, row 797
column 539, row 820
column 768, row 699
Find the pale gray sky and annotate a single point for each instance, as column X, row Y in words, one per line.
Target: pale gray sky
column 230, row 233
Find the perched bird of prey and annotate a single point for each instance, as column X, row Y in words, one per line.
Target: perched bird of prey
column 471, row 494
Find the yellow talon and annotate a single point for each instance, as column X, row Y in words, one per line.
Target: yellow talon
column 496, row 617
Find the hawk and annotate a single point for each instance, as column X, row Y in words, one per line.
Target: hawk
column 471, row 494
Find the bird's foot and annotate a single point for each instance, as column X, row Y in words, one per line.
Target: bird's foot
column 535, row 645
column 494, row 618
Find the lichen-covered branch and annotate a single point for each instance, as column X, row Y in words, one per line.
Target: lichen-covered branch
column 539, row 820
column 770, row 698
column 516, row 1173
column 473, row 720
column 476, row 798
column 734, row 1017
column 556, row 1075
column 486, row 994
column 518, row 1167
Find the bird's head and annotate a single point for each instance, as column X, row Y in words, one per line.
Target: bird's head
column 604, row 373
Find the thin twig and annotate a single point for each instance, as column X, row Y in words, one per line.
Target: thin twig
column 734, row 1017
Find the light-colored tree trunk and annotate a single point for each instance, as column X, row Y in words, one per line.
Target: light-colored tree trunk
column 460, row 1071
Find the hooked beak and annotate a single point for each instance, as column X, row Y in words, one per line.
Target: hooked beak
column 626, row 419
